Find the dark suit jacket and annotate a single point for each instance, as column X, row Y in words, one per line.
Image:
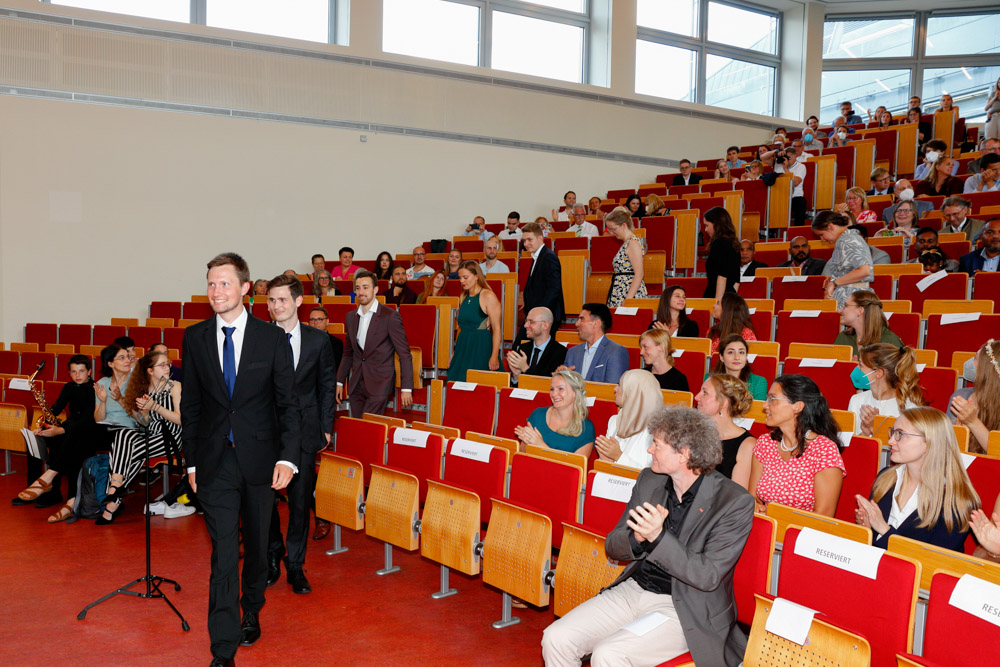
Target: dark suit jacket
column 551, row 359
column 754, row 265
column 375, row 364
column 810, row 267
column 700, row 559
column 971, row 262
column 938, row 535
column 338, row 352
column 407, row 296
column 871, row 193
column 315, row 388
column 263, row 413
column 610, row 361
column 544, row 286
column 694, row 179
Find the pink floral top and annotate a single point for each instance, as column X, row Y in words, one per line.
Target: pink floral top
column 867, row 215
column 338, row 272
column 791, row 482
column 747, row 333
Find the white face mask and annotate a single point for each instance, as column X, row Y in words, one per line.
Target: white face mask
column 969, row 369
column 932, row 156
column 906, row 195
column 842, row 134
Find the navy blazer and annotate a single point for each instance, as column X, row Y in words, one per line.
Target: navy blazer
column 938, row 535
column 811, row 267
column 610, row 361
column 972, row 261
column 315, row 388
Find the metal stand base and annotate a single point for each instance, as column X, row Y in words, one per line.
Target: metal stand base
column 338, row 548
column 389, row 567
column 507, row 619
column 153, row 587
column 445, row 591
column 8, row 470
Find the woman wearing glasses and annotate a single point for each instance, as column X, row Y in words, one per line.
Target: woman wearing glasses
column 798, row 463
column 888, row 380
column 153, row 400
column 926, row 494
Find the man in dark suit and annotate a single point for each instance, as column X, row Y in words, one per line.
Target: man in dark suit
column 748, row 265
column 316, row 390
column 374, row 334
column 686, row 177
column 987, row 259
column 539, row 355
column 544, row 285
column 683, row 531
column 597, row 358
column 241, row 438
column 881, row 182
column 319, row 319
column 798, row 253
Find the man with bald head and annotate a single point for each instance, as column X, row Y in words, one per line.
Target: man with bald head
column 903, row 191
column 798, row 255
column 540, row 354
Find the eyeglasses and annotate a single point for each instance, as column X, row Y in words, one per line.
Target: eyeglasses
column 771, row 398
column 317, row 319
column 122, row 357
column 163, row 365
column 897, row 434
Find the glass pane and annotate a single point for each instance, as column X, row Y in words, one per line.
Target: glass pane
column 742, row 28
column 866, row 39
column 569, row 5
column 665, row 71
column 736, row 84
column 533, row 46
column 298, row 19
column 969, row 88
column 679, row 16
column 954, row 35
column 865, row 90
column 168, row 10
column 431, row 29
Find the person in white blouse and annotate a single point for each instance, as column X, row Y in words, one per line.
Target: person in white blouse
column 887, row 376
column 638, row 398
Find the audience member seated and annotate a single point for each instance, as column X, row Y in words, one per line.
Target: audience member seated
column 915, row 103
column 127, row 344
column 68, row 446
column 780, row 137
column 885, row 120
column 733, row 361
column 383, row 266
column 847, row 113
column 490, row 263
column 956, row 218
column 657, row 353
column 881, row 182
column 722, row 170
column 513, row 229
column 175, row 370
column 947, row 104
column 939, row 180
column 480, row 334
column 681, row 573
column 686, row 177
column 260, row 287
column 926, row 494
column 902, row 191
column 798, row 463
column 988, row 258
column 454, row 263
column 627, row 441
column 319, row 318
column 722, row 267
column 864, row 322
column 564, row 426
column 927, row 239
column 544, row 225
column 987, row 532
column 888, row 383
column 724, row 398
column 400, row 293
column 318, row 262
column 988, row 178
column 765, row 154
column 810, row 141
column 991, row 146
column 849, row 269
column 733, row 160
column 593, row 207
column 655, row 205
column 904, row 223
column 933, row 150
column 813, row 124
column 435, row 286
column 748, row 265
column 856, row 203
column 152, row 400
column 752, row 171
column 417, row 268
column 933, row 260
column 477, row 228
column 879, row 256
column 323, row 284
column 540, row 354
column 978, row 407
column 580, row 226
column 671, row 314
column 346, row 269
column 799, row 256
column 635, row 207
column 838, row 137
column 627, row 280
column 569, row 200
column 732, row 317
column 924, row 130
column 597, row 358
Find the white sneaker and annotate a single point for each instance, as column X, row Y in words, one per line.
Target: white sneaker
column 177, row 510
column 159, row 507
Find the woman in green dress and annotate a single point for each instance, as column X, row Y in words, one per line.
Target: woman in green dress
column 478, row 344
column 733, row 360
column 564, row 426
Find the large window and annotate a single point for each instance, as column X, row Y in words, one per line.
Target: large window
column 168, row 10
column 969, row 88
column 957, row 35
column 431, row 29
column 865, row 90
column 874, row 38
column 533, row 46
column 718, row 53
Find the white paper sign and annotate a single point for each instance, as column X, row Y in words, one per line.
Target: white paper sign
column 845, row 438
column 794, row 279
column 977, row 597
column 789, row 620
column 752, row 310
column 931, row 279
column 612, row 487
column 751, row 357
column 644, row 624
column 677, row 353
column 564, row 343
column 955, row 318
column 888, row 316
column 840, row 553
column 410, row 437
column 590, row 401
column 689, row 310
column 626, row 310
column 743, row 422
column 524, row 394
column 967, row 459
column 805, row 313
column 921, row 367
column 747, row 279
column 21, row 384
column 463, row 386
column 468, row 449
column 817, row 363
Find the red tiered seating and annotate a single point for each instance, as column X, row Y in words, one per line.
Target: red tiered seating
column 174, row 338
column 964, row 336
column 602, row 251
column 822, row 329
column 755, row 289
column 30, row 361
column 145, row 337
column 754, row 197
column 693, row 287
column 986, row 285
column 515, row 411
column 75, row 334
column 599, row 414
column 984, row 473
column 938, row 385
column 549, row 487
column 165, row 309
column 486, row 479
column 473, row 410
column 882, row 286
column 601, row 514
column 906, row 326
column 422, row 462
column 845, row 161
column 361, row 440
column 35, row 332
column 10, row 362
column 835, row 380
column 692, row 365
column 620, row 194
column 793, row 287
column 861, row 460
column 420, row 321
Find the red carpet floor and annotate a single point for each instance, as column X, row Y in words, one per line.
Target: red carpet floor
column 352, row 617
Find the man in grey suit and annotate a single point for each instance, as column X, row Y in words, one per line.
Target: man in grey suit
column 683, row 531
column 597, row 358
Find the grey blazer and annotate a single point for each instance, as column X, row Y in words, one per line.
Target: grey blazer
column 700, row 560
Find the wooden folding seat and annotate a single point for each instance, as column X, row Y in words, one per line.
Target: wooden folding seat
column 819, row 351
column 896, row 270
column 786, row 517
column 13, row 417
column 682, row 398
column 340, row 493
column 947, row 336
column 938, row 384
column 517, row 553
column 60, row 348
column 195, row 310
column 945, row 306
column 583, row 568
column 552, row 487
column 471, row 409
column 75, row 334
column 496, row 379
column 906, row 325
column 390, row 422
column 933, row 558
column 392, row 511
column 822, row 305
column 25, row 347
column 166, row 309
column 361, row 440
column 450, row 530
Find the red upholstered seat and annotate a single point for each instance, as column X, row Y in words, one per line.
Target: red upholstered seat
column 952, row 286
column 35, row 332
column 631, row 324
column 195, row 310
column 984, row 473
column 600, row 514
column 487, row 479
column 10, row 362
column 602, row 250
column 835, row 381
column 692, row 364
column 515, row 411
column 693, row 287
column 420, row 322
column 754, row 197
column 938, row 384
column 822, row 329
column 170, row 309
column 76, row 334
column 906, row 326
column 755, row 289
column 753, row 570
column 861, row 459
column 145, row 337
column 599, row 414
column 882, row 286
column 964, row 336
column 422, row 462
column 986, row 285
column 620, row 194
column 361, row 440
column 552, row 487
column 472, row 410
column 793, row 287
column 30, row 361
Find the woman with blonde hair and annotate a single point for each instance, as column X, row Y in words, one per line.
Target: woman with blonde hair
column 655, row 205
column 564, row 426
column 980, row 408
column 926, row 494
column 724, row 398
column 865, row 322
column 856, row 203
column 889, row 384
column 627, row 279
column 657, row 353
column 638, row 398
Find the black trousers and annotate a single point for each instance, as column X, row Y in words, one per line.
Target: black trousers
column 68, row 451
column 799, row 210
column 300, row 500
column 226, row 498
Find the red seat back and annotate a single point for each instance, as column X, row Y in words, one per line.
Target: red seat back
column 35, row 332
column 752, row 574
column 952, row 286
column 422, row 462
column 487, row 479
column 693, row 287
column 30, row 361
column 984, row 473
column 906, row 326
column 986, row 285
column 361, row 440
column 515, row 411
column 196, row 310
column 473, row 410
column 602, row 250
column 75, row 334
column 552, row 487
column 822, row 329
column 692, row 365
column 166, row 309
column 631, row 324
column 754, row 197
column 861, row 460
column 755, row 289
column 793, row 287
column 145, row 337
column 602, row 514
column 960, row 336
column 938, row 384
column 979, row 638
column 599, row 414
column 835, row 380
column 420, row 321
column 10, row 362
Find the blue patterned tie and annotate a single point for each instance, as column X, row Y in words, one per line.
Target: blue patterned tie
column 229, row 366
column 291, row 352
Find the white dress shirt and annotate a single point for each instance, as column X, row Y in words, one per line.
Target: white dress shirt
column 588, row 356
column 897, row 514
column 364, row 321
column 585, row 228
column 296, row 342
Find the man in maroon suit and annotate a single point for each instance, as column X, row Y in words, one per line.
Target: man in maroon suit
column 374, row 334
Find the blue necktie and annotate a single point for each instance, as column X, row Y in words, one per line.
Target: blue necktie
column 291, row 352
column 229, row 366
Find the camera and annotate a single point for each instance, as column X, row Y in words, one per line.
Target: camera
column 779, row 157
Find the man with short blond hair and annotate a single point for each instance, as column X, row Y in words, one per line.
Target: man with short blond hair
column 491, row 264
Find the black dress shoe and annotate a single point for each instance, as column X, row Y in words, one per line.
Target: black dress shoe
column 273, row 569
column 249, row 629
column 222, row 662
column 297, row 578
